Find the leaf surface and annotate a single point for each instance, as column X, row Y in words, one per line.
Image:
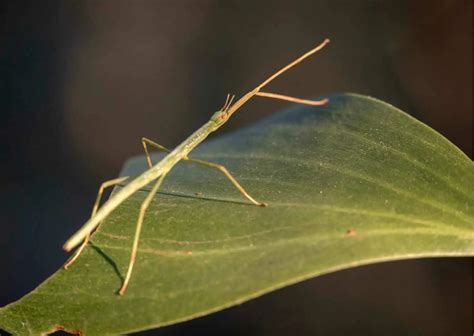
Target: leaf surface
column 351, row 183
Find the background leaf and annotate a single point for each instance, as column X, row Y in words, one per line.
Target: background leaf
column 350, row 183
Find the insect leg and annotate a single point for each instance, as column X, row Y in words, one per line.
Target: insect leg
column 232, row 179
column 138, row 229
column 292, row 99
column 147, row 142
column 104, row 185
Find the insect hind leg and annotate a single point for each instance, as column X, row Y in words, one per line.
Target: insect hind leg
column 102, row 188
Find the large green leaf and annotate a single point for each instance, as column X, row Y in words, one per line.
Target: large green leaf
column 350, row 183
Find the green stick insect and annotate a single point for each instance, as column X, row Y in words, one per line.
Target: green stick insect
column 157, row 173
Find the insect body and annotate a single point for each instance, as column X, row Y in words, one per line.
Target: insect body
column 156, row 173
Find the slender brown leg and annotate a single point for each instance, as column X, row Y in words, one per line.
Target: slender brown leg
column 138, row 229
column 145, row 143
column 232, row 179
column 219, row 167
column 104, row 185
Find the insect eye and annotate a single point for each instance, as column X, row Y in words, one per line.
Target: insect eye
column 223, row 116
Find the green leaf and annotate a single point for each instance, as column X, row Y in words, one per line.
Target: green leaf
column 354, row 182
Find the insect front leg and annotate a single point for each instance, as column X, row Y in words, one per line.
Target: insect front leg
column 232, row 179
column 103, row 186
column 138, row 230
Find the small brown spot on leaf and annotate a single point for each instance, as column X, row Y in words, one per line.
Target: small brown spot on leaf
column 69, row 331
column 351, row 232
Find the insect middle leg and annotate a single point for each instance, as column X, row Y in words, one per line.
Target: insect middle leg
column 138, row 229
column 219, row 167
column 145, row 143
column 103, row 186
column 232, row 179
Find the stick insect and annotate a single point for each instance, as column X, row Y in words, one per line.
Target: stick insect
column 157, row 172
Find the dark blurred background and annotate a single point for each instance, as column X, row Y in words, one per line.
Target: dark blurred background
column 82, row 81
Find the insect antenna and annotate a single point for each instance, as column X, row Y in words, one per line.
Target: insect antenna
column 225, row 104
column 229, row 104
